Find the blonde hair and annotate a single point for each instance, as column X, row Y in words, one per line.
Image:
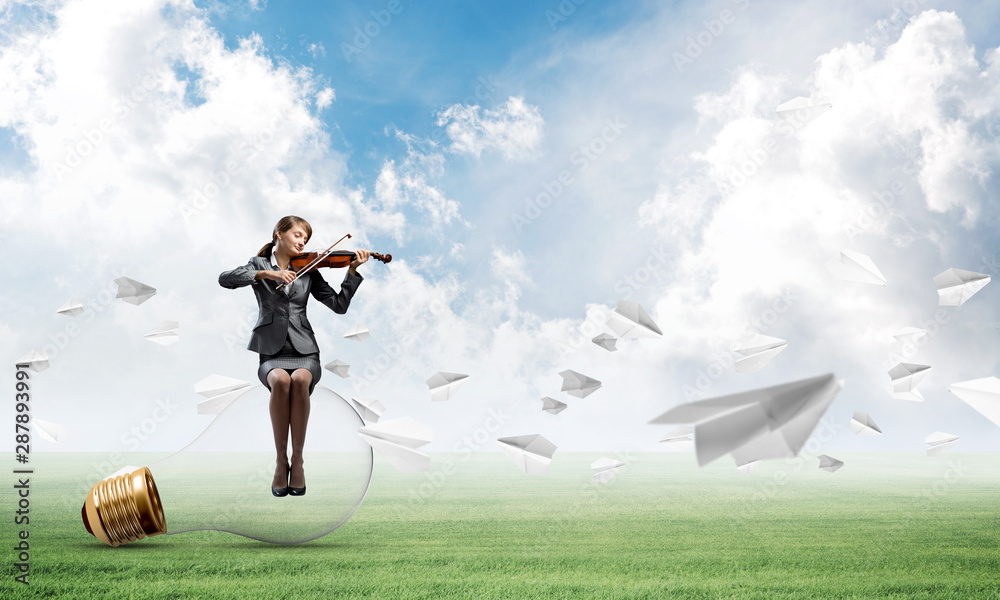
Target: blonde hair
column 283, row 225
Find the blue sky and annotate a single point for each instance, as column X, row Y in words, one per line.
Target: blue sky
column 433, row 142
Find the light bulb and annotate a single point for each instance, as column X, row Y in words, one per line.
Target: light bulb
column 222, row 480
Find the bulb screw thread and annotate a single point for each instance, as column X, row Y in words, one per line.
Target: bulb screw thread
column 124, row 509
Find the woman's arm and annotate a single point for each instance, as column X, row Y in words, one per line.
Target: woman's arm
column 336, row 301
column 241, row 276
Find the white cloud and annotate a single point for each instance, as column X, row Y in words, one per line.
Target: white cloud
column 325, row 98
column 515, row 129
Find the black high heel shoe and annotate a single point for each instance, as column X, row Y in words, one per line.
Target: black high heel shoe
column 279, row 492
column 294, row 491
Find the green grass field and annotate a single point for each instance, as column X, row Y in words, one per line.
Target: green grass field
column 884, row 526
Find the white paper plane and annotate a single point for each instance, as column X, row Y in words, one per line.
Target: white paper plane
column 905, row 378
column 747, row 468
column 552, row 406
column 955, row 286
column 983, row 395
column 134, row 292
column 219, row 391
column 679, row 438
column 829, row 463
column 370, row 409
column 856, row 267
column 605, row 469
column 532, row 453
column 815, row 107
column 73, row 308
column 578, row 384
column 765, row 423
column 756, row 351
column 358, row 333
column 443, row 385
column 164, row 334
column 910, row 335
column 48, row 430
column 338, row 367
column 606, row 341
column 397, row 441
column 862, row 424
column 940, row 442
column 36, row 360
column 629, row 320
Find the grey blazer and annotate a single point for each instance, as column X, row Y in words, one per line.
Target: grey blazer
column 284, row 314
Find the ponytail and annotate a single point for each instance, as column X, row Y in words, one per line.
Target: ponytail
column 266, row 249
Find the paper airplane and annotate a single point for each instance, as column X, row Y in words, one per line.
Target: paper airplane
column 578, row 384
column 134, row 292
column 605, row 469
column 829, row 463
column 443, row 385
column 983, row 395
column 799, row 103
column 219, row 391
column 552, row 406
column 909, row 335
column 370, row 409
column 679, row 438
column 358, row 333
column 905, row 378
column 747, row 468
column 771, row 422
column 397, row 441
column 856, row 267
column 862, row 424
column 36, row 360
column 164, row 334
column 629, row 320
column 605, row 341
column 73, row 308
column 955, row 286
column 338, row 367
column 532, row 453
column 49, row 431
column 939, row 442
column 757, row 350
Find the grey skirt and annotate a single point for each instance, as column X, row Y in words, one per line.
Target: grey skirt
column 289, row 358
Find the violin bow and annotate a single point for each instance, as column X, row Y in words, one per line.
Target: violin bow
column 316, row 261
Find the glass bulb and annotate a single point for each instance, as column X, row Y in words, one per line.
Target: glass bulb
column 222, row 480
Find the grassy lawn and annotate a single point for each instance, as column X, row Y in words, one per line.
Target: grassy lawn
column 885, row 525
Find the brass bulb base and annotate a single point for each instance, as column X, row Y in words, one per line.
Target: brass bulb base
column 124, row 509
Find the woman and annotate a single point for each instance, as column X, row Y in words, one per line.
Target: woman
column 289, row 355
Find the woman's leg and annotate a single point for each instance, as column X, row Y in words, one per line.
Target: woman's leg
column 299, row 418
column 280, row 410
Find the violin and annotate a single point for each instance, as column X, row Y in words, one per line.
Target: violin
column 337, row 259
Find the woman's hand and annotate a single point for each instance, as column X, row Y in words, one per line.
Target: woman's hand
column 360, row 257
column 285, row 276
